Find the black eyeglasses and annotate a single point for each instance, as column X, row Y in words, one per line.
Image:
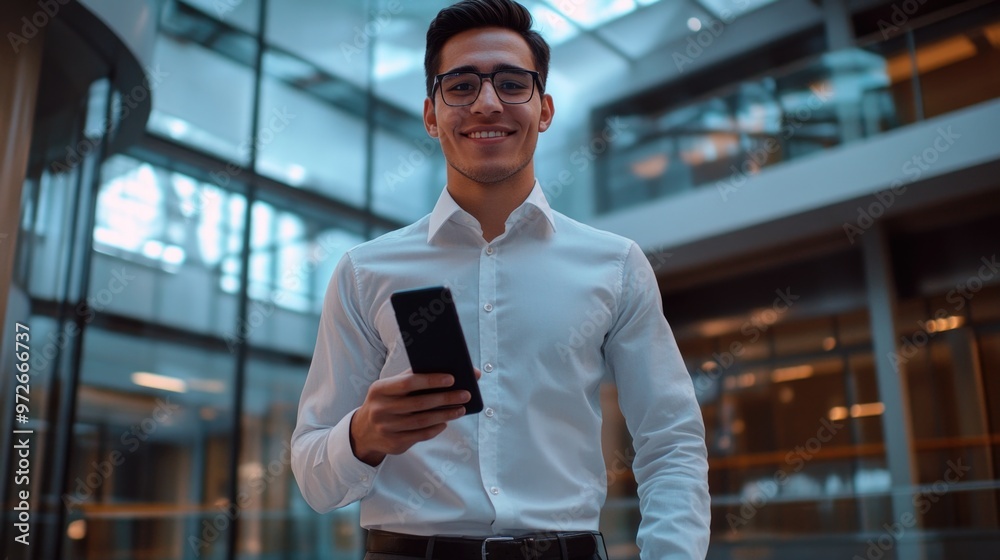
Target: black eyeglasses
column 513, row 87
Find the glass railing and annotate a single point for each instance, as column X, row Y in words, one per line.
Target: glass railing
column 732, row 134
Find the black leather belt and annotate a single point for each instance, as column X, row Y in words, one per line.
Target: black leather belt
column 547, row 546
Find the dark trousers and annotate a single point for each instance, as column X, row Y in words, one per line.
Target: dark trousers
column 601, row 555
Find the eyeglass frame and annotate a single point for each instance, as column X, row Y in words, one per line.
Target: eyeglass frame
column 536, row 82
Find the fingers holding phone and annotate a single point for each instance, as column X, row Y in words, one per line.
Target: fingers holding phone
column 402, row 410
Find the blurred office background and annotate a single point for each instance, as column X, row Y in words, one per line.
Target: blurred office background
column 815, row 182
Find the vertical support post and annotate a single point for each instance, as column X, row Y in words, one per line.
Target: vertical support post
column 22, row 64
column 893, row 391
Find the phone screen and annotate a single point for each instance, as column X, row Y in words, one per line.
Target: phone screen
column 433, row 338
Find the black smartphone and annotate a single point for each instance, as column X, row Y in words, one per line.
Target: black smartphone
column 432, row 335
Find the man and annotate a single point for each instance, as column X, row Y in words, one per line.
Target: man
column 550, row 309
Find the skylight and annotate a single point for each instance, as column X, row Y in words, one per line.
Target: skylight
column 588, row 14
column 730, row 9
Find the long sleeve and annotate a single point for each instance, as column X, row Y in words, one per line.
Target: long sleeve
column 348, row 358
column 657, row 399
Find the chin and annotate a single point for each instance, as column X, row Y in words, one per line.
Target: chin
column 491, row 174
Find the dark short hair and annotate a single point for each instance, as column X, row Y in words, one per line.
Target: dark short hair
column 473, row 14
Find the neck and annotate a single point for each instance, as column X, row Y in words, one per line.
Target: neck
column 491, row 203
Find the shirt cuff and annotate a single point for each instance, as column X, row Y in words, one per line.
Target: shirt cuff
column 356, row 473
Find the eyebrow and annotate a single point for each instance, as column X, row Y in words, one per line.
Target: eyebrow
column 496, row 68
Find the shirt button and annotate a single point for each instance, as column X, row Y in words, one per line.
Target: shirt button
column 364, row 478
column 489, row 250
column 489, row 414
column 488, row 367
column 488, row 307
column 494, row 490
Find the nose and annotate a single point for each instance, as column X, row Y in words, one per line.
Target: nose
column 488, row 100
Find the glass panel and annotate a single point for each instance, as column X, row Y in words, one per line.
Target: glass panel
column 867, row 428
column 985, row 306
column 307, row 142
column 798, row 435
column 854, row 329
column 798, row 110
column 240, row 13
column 48, row 239
column 215, row 115
column 291, row 262
column 335, row 36
column 803, row 337
column 275, row 519
column 971, row 56
column 989, row 348
column 398, row 56
column 405, row 186
column 151, row 448
column 166, row 247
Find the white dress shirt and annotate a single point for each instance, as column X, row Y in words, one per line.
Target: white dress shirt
column 550, row 309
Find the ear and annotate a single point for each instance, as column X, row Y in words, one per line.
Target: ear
column 548, row 111
column 430, row 118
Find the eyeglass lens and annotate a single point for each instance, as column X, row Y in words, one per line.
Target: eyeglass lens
column 462, row 88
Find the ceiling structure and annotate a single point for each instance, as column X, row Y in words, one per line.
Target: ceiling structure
column 590, row 39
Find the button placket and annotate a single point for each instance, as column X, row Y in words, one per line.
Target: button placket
column 489, row 385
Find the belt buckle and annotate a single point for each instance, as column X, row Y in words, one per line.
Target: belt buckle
column 483, row 552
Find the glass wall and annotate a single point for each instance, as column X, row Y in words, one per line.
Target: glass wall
column 723, row 137
column 783, row 364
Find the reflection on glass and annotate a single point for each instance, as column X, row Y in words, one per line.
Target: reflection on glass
column 239, row 13
column 276, row 520
column 335, row 36
column 291, row 262
column 215, row 115
column 405, row 176
column 150, row 448
column 838, row 98
column 784, row 426
column 162, row 236
column 306, row 141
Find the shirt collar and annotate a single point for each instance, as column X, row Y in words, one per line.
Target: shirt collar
column 446, row 207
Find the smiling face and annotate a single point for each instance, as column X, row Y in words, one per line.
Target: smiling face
column 489, row 141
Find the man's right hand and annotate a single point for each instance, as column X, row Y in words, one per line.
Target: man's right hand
column 391, row 420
